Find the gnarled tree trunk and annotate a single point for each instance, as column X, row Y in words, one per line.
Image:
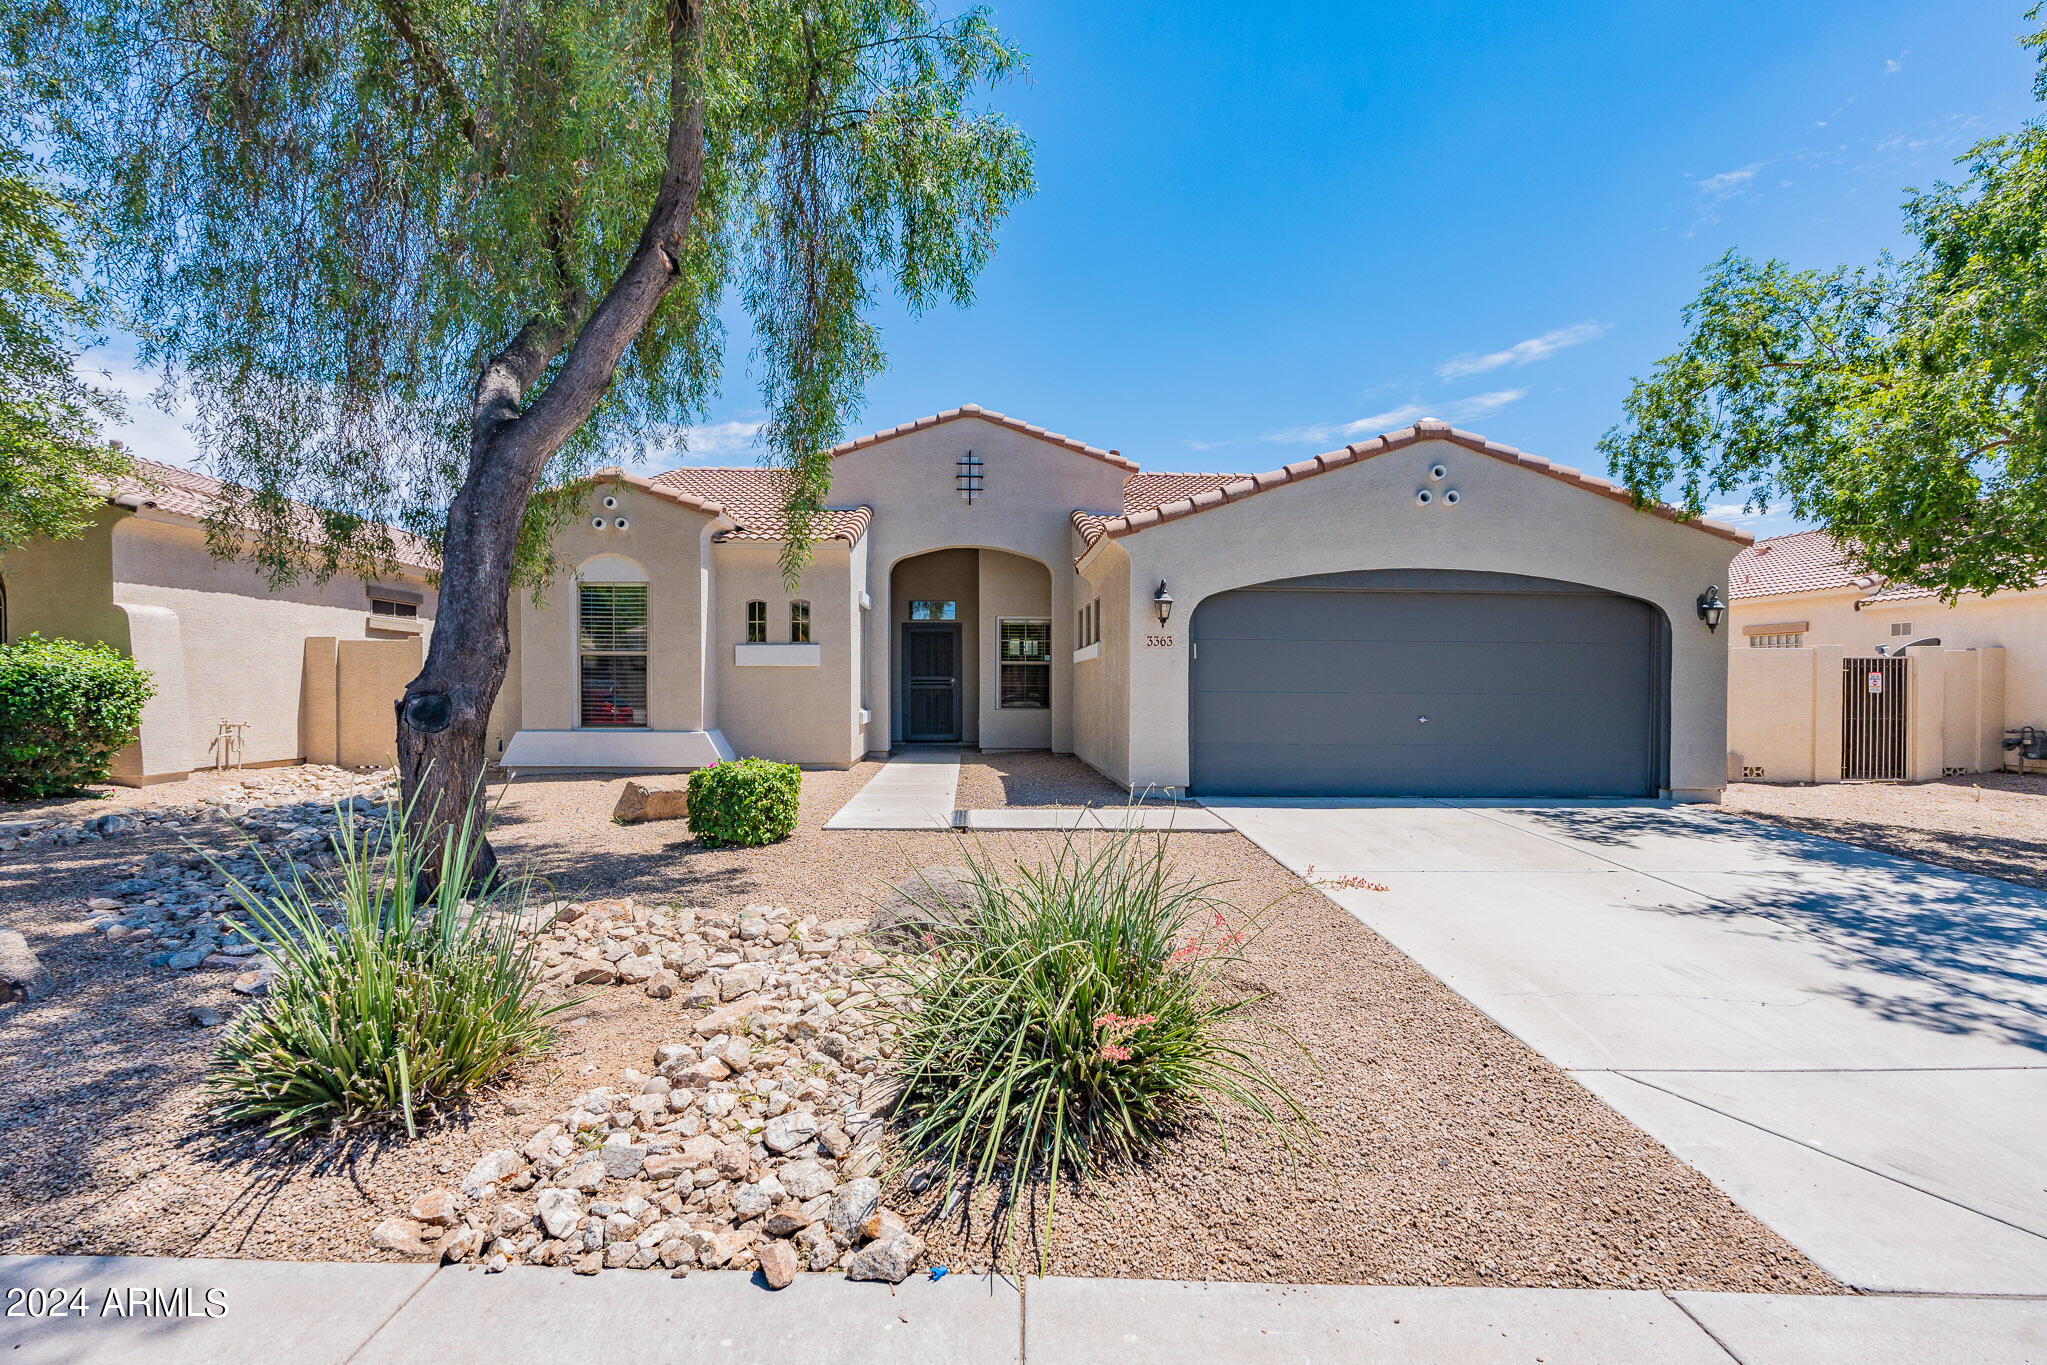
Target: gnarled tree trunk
column 444, row 712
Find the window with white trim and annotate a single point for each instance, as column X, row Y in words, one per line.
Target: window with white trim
column 799, row 623
column 756, row 623
column 1026, row 662
column 611, row 648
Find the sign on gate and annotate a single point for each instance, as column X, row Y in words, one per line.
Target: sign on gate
column 1876, row 682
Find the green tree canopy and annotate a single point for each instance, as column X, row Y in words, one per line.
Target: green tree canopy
column 1901, row 405
column 412, row 260
column 54, row 461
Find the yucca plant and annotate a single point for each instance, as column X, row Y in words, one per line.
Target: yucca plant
column 394, row 1004
column 1072, row 1016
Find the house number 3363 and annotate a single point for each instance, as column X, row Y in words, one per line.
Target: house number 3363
column 1158, row 642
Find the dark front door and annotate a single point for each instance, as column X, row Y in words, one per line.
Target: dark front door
column 931, row 682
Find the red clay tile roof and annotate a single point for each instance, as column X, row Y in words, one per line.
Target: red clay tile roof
column 1807, row 561
column 187, row 493
column 976, row 410
column 751, row 498
column 1236, row 487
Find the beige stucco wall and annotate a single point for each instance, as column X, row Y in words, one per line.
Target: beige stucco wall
column 219, row 640
column 1101, row 716
column 370, row 676
column 669, row 545
column 794, row 714
column 1030, row 489
column 2015, row 622
column 1013, row 586
column 1784, row 715
column 1509, row 519
column 242, row 640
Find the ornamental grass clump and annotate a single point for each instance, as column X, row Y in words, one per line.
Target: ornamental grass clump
column 1074, row 1016
column 386, row 1002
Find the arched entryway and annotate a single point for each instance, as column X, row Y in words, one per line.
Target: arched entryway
column 970, row 649
column 1428, row 683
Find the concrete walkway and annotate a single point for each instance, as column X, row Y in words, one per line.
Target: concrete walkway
column 913, row 790
column 327, row 1314
column 1852, row 1045
column 916, row 789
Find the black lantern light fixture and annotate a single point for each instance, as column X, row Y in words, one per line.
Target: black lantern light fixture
column 1163, row 602
column 1711, row 608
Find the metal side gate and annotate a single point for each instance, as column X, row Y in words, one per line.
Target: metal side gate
column 1873, row 719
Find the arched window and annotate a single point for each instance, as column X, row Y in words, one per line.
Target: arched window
column 756, row 623
column 799, row 623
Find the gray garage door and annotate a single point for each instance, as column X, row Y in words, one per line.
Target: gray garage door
column 1416, row 683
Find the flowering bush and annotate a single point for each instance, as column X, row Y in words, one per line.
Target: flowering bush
column 744, row 803
column 1077, row 1017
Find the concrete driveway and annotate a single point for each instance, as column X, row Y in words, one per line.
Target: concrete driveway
column 1852, row 1045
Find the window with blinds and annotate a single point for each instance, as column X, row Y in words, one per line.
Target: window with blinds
column 1026, row 659
column 611, row 644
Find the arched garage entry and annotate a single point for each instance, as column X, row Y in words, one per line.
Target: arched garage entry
column 1428, row 683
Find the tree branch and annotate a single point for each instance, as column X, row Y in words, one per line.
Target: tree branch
column 433, row 65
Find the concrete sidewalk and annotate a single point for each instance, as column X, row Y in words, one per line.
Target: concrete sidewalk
column 332, row 1314
column 1852, row 1045
column 916, row 789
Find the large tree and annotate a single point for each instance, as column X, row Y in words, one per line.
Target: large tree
column 1901, row 405
column 54, row 461
column 414, row 260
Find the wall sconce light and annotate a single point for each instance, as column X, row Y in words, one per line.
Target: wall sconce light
column 1711, row 608
column 1163, row 601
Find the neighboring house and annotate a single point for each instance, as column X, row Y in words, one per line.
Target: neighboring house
column 1423, row 613
column 244, row 672
column 1798, row 593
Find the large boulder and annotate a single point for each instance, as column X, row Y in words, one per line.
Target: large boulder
column 21, row 973
column 652, row 798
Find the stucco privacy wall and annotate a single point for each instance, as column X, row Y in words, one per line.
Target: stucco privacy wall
column 234, row 627
column 1364, row 515
column 1030, row 487
column 1784, row 714
column 799, row 712
column 2015, row 622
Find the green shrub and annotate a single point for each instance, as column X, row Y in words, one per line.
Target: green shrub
column 397, row 1005
column 748, row 802
column 65, row 710
column 1074, row 1016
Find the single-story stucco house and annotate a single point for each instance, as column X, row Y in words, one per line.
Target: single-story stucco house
column 1422, row 613
column 1806, row 689
column 246, row 674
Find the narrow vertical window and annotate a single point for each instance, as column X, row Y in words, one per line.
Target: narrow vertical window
column 1026, row 663
column 611, row 644
column 799, row 623
column 756, row 623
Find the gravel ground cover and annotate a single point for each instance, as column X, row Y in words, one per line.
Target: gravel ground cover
column 1445, row 1152
column 1034, row 778
column 1992, row 823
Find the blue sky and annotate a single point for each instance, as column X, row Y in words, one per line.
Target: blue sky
column 1264, row 231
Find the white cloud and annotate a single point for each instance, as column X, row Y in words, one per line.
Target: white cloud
column 1207, row 445
column 1522, row 352
column 1897, row 63
column 149, row 431
column 1407, row 414
column 1718, row 189
column 708, row 439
